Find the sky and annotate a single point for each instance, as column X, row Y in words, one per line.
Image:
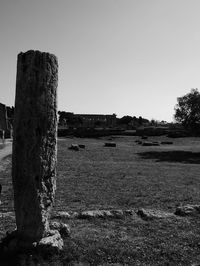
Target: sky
column 128, row 57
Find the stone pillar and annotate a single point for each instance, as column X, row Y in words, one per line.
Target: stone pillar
column 34, row 143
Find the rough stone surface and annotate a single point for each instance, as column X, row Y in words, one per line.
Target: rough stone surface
column 118, row 213
column 63, row 228
column 92, row 214
column 129, row 212
column 101, row 214
column 51, row 244
column 34, row 143
column 145, row 214
column 115, row 214
column 7, row 214
column 148, row 214
column 14, row 243
column 95, row 214
column 62, row 214
column 188, row 210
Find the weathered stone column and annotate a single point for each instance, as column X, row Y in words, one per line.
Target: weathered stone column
column 34, row 143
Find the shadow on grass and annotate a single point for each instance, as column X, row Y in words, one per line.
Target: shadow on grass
column 172, row 156
column 2, row 146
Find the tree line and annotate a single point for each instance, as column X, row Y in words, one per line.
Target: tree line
column 68, row 118
column 187, row 113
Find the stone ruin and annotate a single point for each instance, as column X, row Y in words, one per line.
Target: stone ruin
column 34, row 157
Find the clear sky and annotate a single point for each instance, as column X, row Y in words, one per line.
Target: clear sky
column 129, row 57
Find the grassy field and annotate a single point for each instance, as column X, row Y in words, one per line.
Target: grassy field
column 129, row 176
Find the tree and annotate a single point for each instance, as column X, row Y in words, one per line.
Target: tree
column 69, row 119
column 10, row 112
column 140, row 120
column 187, row 110
column 65, row 117
column 125, row 120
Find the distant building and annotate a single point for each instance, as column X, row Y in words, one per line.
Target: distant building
column 97, row 120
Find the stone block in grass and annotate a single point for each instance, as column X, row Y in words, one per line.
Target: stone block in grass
column 82, row 146
column 149, row 143
column 74, row 147
column 110, row 144
column 149, row 214
column 187, row 210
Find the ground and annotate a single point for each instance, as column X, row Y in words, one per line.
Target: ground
column 128, row 177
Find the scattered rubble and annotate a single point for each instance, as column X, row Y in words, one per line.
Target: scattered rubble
column 82, row 146
column 110, row 144
column 149, row 214
column 63, row 228
column 74, row 147
column 187, row 210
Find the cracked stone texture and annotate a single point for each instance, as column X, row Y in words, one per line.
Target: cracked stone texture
column 34, row 143
column 149, row 214
column 52, row 243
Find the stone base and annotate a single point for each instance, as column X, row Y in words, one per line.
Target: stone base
column 13, row 243
column 52, row 243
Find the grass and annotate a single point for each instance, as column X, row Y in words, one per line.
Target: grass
column 129, row 176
